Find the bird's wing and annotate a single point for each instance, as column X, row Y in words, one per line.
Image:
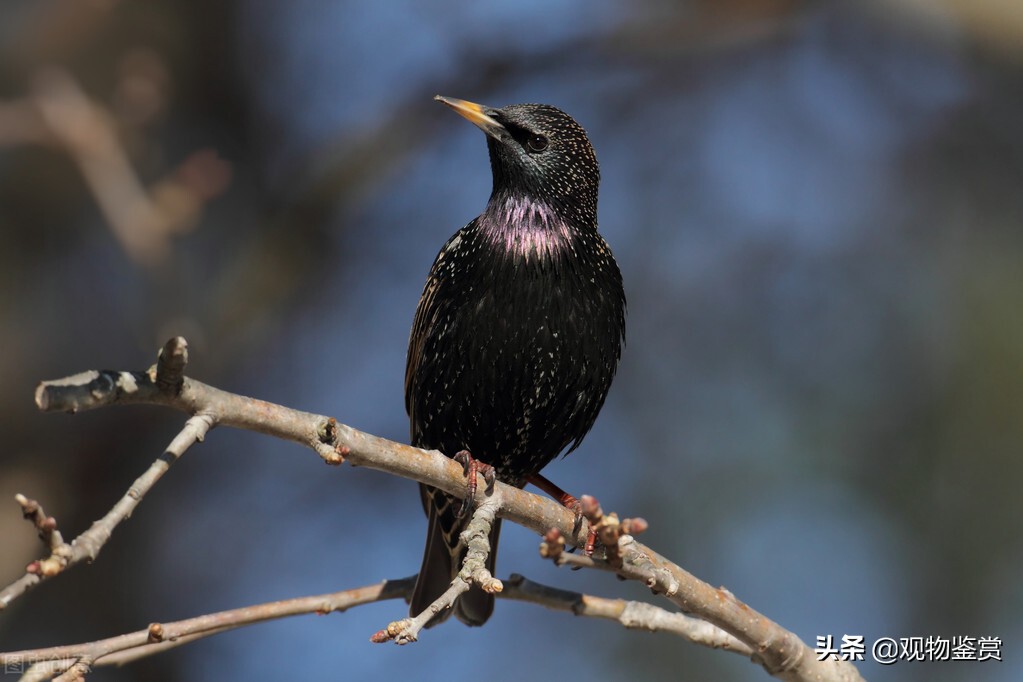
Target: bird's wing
column 422, row 324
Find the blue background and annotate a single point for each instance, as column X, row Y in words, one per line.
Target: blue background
column 816, row 209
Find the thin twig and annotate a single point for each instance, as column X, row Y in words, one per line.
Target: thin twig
column 167, row 377
column 159, row 637
column 474, row 571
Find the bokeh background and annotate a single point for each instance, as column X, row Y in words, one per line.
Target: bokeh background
column 817, row 208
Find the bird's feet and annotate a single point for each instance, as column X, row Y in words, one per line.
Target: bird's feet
column 569, row 502
column 472, row 467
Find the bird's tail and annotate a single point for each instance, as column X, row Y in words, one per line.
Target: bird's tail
column 442, row 560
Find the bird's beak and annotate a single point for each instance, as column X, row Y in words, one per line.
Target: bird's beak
column 476, row 113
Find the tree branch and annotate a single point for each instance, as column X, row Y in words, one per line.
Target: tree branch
column 167, row 377
column 633, row 615
column 160, row 637
column 142, row 218
column 473, row 571
column 780, row 652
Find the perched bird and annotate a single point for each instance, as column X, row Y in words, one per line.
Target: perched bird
column 519, row 329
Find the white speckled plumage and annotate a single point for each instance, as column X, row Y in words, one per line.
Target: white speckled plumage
column 520, row 326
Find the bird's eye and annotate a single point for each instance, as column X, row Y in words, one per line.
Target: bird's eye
column 537, row 143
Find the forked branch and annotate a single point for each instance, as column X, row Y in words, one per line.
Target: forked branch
column 780, row 652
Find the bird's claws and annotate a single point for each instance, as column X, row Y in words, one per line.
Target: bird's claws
column 607, row 529
column 576, row 506
column 471, row 467
column 589, row 508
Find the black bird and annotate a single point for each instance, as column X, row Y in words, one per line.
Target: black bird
column 519, row 329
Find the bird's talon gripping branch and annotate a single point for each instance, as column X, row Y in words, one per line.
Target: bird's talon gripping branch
column 569, row 502
column 607, row 529
column 589, row 508
column 472, row 467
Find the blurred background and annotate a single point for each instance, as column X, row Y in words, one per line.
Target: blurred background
column 817, row 211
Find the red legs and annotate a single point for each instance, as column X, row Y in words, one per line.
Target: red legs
column 471, row 467
column 552, row 489
column 569, row 502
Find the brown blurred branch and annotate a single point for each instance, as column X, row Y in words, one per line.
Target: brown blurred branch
column 780, row 652
column 142, row 218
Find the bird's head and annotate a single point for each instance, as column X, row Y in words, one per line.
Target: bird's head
column 539, row 152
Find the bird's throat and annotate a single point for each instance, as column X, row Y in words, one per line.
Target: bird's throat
column 525, row 228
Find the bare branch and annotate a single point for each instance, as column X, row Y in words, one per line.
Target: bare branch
column 74, row 659
column 86, row 547
column 780, row 652
column 46, row 525
column 630, row 614
column 474, row 570
column 166, row 377
column 159, row 637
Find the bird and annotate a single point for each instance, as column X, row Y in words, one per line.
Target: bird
column 519, row 330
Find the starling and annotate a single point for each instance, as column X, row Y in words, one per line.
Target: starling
column 519, row 330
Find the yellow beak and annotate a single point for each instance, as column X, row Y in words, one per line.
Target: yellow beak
column 476, row 114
